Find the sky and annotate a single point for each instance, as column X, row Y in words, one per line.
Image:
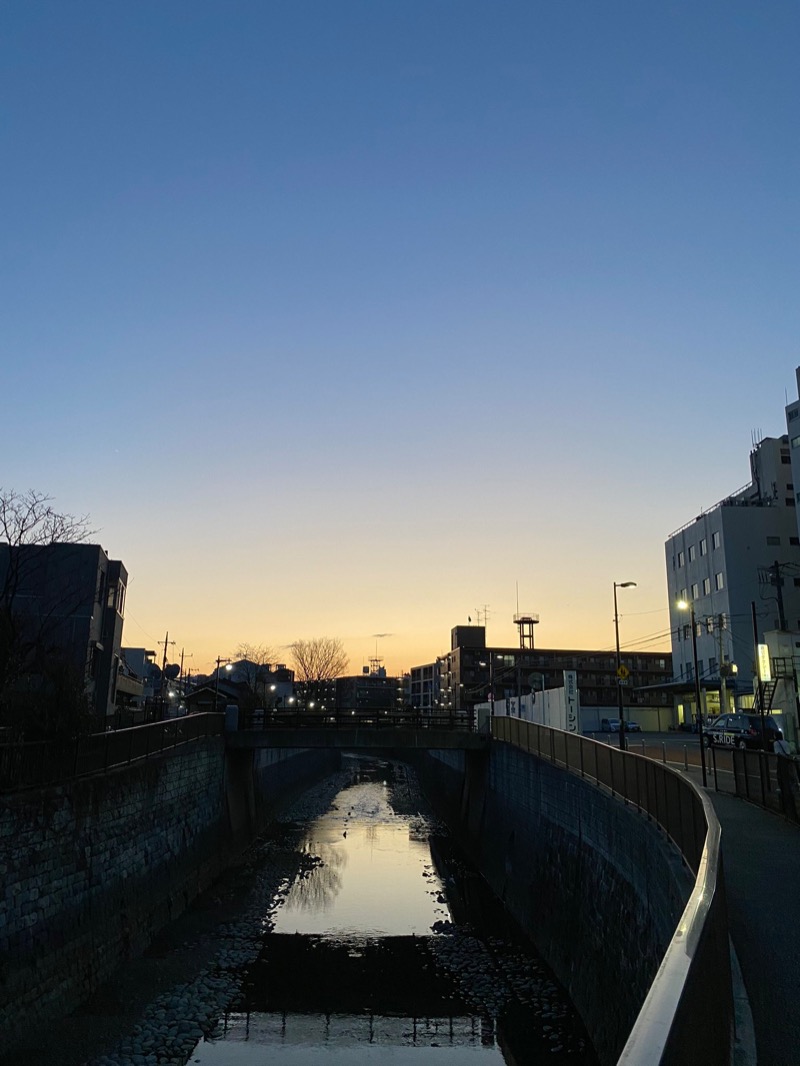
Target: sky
column 354, row 318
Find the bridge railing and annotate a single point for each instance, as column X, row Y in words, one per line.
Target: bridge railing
column 358, row 720
column 33, row 764
column 687, row 1016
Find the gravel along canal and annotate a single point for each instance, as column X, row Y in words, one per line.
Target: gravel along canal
column 352, row 934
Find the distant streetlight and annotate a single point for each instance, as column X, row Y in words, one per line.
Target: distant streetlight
column 228, row 667
column 620, row 585
column 684, row 605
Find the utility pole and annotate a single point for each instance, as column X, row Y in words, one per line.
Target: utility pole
column 180, row 675
column 165, row 642
column 723, row 669
column 776, row 566
column 758, row 688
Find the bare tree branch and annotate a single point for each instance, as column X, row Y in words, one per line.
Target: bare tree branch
column 319, row 659
column 29, row 518
column 253, row 663
column 29, row 524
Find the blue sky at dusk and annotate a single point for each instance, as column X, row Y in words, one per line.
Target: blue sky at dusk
column 344, row 318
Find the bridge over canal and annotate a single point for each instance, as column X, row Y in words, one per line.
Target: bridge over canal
column 397, row 734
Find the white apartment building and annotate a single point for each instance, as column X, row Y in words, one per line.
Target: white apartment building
column 743, row 551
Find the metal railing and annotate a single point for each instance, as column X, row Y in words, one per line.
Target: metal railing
column 37, row 763
column 359, row 720
column 669, row 1013
column 653, row 788
column 769, row 780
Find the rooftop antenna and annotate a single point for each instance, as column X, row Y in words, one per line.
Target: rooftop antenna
column 525, row 621
column 375, row 661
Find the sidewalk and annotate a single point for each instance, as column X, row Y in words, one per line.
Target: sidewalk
column 761, row 863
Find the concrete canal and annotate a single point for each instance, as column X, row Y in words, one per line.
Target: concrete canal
column 354, row 932
column 386, row 943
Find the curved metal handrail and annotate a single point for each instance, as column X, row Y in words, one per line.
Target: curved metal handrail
column 686, row 815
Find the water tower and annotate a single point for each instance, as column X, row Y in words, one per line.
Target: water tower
column 525, row 621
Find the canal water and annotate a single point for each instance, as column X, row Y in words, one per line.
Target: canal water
column 383, row 946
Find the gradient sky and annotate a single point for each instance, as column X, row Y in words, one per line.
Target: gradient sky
column 342, row 318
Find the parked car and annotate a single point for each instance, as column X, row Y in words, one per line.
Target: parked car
column 742, row 731
column 609, row 725
column 691, row 726
column 632, row 727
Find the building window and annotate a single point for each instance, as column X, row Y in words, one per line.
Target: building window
column 695, row 591
column 692, row 553
column 715, row 539
column 706, row 586
column 698, row 631
column 687, row 632
column 683, row 596
column 680, row 559
column 792, row 414
column 719, row 582
column 712, row 666
column 795, row 541
column 795, row 441
column 704, row 546
column 773, row 541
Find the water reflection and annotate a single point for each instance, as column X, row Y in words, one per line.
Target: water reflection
column 374, row 877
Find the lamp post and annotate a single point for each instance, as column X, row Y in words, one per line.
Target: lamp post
column 620, row 585
column 228, row 666
column 684, row 606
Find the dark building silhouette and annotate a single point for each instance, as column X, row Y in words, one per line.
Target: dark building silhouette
column 62, row 604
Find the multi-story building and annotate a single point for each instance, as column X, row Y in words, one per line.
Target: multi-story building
column 738, row 565
column 471, row 673
column 368, row 693
column 424, row 692
column 66, row 606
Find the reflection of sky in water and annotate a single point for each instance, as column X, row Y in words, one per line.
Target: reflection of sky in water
column 349, row 1040
column 375, row 880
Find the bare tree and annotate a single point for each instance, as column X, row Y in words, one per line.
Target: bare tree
column 253, row 662
column 319, row 659
column 29, row 518
column 260, row 656
column 29, row 524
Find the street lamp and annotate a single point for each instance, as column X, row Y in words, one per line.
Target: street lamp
column 620, row 585
column 228, row 667
column 684, row 605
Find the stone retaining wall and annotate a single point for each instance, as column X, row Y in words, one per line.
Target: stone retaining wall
column 92, row 869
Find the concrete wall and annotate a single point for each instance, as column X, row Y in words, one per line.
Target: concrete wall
column 94, row 868
column 595, row 886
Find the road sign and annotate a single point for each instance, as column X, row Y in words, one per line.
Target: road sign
column 623, row 673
